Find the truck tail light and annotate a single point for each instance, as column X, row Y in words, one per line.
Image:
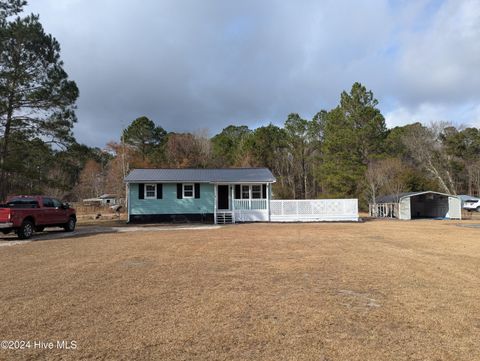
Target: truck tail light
column 9, row 217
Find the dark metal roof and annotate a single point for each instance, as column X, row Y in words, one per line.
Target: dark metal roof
column 227, row 175
column 395, row 198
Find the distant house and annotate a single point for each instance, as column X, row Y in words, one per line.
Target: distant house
column 109, row 199
column 103, row 200
column 414, row 205
column 205, row 195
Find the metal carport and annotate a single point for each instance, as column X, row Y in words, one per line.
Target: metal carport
column 414, row 205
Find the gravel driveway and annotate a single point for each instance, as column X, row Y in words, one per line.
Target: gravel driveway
column 56, row 233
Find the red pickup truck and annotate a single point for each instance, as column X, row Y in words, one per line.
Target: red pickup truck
column 27, row 214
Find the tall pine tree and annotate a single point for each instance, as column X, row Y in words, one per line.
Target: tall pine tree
column 37, row 100
column 353, row 134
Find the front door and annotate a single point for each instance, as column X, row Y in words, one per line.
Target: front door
column 222, row 197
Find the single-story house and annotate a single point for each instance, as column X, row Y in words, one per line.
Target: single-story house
column 201, row 195
column 104, row 199
column 414, row 205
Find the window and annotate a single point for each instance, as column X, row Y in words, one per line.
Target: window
column 56, row 203
column 20, row 202
column 245, row 192
column 150, row 191
column 188, row 191
column 257, row 191
column 47, row 202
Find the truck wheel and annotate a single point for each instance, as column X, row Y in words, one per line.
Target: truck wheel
column 478, row 209
column 70, row 225
column 39, row 228
column 26, row 230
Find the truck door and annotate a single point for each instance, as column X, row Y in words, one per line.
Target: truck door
column 49, row 212
column 61, row 214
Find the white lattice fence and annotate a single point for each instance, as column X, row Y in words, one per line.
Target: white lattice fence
column 314, row 210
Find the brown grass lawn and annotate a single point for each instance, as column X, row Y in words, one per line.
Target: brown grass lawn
column 380, row 290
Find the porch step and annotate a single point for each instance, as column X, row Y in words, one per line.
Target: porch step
column 225, row 218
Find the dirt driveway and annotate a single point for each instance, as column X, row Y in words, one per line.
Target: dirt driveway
column 380, row 290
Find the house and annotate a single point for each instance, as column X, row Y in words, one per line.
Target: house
column 414, row 205
column 201, row 195
column 109, row 199
column 104, row 200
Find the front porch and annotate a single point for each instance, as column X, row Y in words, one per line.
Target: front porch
column 242, row 203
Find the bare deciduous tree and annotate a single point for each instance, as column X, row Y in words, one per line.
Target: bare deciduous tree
column 92, row 180
column 188, row 150
column 426, row 148
column 385, row 176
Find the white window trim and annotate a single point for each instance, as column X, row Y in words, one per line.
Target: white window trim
column 146, row 196
column 261, row 191
column 250, row 191
column 183, row 190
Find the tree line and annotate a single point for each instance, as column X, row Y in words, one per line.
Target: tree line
column 342, row 152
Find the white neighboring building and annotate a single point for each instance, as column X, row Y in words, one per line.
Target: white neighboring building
column 103, row 200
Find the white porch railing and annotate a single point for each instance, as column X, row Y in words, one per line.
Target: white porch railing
column 249, row 204
column 309, row 210
column 250, row 210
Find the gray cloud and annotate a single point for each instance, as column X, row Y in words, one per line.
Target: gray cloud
column 192, row 65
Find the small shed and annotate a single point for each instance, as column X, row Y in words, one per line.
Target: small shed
column 103, row 200
column 415, row 205
column 109, row 199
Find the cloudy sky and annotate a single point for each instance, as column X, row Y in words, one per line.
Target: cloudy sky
column 194, row 65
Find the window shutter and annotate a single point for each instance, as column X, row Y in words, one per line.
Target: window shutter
column 237, row 191
column 264, row 191
column 197, row 190
column 159, row 191
column 141, row 191
column 179, row 191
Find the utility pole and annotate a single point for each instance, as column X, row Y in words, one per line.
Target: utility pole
column 124, row 166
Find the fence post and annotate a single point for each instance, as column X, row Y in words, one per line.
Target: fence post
column 268, row 202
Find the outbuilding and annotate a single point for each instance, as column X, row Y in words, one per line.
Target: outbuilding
column 415, row 205
column 103, row 200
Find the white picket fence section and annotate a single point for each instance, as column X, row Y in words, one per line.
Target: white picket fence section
column 311, row 210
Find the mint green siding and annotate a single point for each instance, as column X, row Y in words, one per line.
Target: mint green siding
column 170, row 204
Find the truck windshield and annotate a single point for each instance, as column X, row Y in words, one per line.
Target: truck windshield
column 22, row 203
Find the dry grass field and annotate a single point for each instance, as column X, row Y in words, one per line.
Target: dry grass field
column 379, row 290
